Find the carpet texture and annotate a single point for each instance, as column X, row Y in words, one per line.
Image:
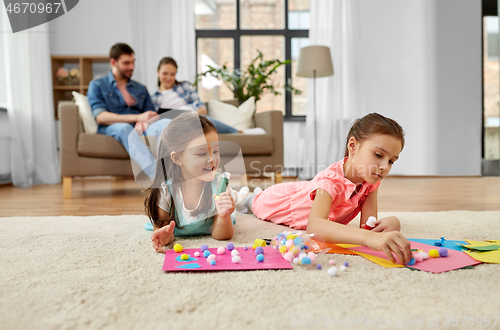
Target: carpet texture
column 102, row 273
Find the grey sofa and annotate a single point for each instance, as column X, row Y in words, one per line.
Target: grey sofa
column 84, row 155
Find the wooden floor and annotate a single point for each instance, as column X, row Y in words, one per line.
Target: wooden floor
column 108, row 196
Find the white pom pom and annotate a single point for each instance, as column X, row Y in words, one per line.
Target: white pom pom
column 332, row 271
column 342, row 268
column 296, row 261
column 236, row 259
column 235, row 253
column 424, row 255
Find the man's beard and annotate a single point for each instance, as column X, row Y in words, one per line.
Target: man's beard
column 124, row 74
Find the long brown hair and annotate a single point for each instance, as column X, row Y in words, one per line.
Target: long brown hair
column 374, row 124
column 176, row 137
column 167, row 60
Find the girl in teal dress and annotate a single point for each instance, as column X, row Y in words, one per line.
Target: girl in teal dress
column 181, row 201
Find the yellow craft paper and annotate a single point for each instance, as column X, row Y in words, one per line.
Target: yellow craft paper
column 477, row 243
column 492, row 257
column 380, row 261
column 496, row 241
column 346, row 246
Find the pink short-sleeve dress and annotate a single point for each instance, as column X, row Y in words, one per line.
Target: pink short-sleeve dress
column 289, row 204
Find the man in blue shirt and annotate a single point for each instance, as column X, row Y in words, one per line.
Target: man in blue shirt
column 123, row 109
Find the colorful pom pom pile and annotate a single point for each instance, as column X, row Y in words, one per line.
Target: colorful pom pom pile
column 293, row 249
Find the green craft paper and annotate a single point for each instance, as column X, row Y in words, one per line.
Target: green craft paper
column 482, row 248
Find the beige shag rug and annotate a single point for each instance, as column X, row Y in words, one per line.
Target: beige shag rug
column 101, row 273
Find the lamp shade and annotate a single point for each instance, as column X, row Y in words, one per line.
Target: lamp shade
column 315, row 59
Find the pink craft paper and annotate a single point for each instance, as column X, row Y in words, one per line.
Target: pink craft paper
column 454, row 260
column 273, row 260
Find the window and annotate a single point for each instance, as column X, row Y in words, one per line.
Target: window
column 491, row 109
column 231, row 31
column 211, row 51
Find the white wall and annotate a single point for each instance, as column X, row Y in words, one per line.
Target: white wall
column 458, row 103
column 91, row 28
column 422, row 67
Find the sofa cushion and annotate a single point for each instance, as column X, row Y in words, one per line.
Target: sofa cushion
column 101, row 146
column 104, row 146
column 240, row 117
column 85, row 112
column 251, row 144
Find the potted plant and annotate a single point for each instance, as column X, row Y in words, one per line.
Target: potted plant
column 253, row 81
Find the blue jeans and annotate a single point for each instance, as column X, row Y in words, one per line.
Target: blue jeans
column 221, row 127
column 137, row 150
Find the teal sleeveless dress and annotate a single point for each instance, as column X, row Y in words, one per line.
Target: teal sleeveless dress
column 204, row 221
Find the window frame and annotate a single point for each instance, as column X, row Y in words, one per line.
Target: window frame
column 237, row 33
column 489, row 8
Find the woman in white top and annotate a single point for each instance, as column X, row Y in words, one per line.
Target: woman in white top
column 172, row 94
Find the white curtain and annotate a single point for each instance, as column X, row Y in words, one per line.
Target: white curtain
column 160, row 29
column 339, row 98
column 30, row 108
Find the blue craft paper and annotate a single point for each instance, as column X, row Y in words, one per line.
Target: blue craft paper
column 178, row 258
column 449, row 244
column 189, row 266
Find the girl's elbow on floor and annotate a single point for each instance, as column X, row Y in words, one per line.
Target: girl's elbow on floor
column 312, row 225
column 222, row 237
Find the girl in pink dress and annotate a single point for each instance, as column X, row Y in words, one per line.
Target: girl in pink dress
column 336, row 195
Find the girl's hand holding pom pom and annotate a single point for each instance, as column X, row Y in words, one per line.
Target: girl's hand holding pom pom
column 224, row 204
column 391, row 242
column 162, row 237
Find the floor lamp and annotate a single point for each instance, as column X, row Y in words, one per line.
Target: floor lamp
column 315, row 62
